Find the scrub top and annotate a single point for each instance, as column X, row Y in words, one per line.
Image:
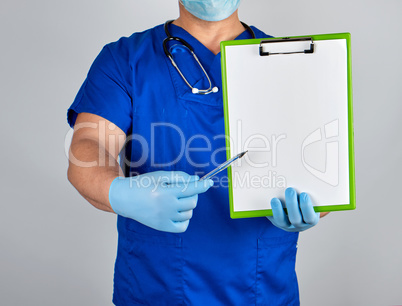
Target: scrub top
column 218, row 260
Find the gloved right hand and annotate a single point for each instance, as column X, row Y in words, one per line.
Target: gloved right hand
column 162, row 200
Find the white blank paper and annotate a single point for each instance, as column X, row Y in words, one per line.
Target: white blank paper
column 291, row 113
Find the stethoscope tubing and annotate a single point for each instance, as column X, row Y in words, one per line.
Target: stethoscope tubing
column 187, row 45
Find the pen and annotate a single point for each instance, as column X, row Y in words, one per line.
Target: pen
column 223, row 166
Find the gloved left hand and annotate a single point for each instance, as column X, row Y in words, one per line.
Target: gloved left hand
column 301, row 215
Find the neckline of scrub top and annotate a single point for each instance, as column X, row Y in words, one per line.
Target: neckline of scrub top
column 210, row 62
column 200, row 50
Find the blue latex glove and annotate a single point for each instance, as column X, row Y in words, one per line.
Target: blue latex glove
column 163, row 200
column 300, row 216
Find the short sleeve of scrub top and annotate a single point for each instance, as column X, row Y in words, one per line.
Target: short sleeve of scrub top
column 105, row 92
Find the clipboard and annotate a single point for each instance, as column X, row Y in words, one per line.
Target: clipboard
column 288, row 101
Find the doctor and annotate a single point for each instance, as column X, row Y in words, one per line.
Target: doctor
column 147, row 120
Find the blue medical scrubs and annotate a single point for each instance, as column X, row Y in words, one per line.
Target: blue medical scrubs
column 218, row 260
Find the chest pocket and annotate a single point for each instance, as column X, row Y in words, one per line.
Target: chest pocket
column 159, row 131
column 276, row 276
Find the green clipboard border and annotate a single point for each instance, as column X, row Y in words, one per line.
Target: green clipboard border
column 352, row 188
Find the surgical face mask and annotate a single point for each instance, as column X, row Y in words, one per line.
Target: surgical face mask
column 211, row 10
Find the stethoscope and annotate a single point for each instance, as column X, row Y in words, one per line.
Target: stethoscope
column 187, row 45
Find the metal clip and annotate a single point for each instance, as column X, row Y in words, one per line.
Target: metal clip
column 286, row 39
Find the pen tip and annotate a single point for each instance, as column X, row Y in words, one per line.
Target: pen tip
column 242, row 154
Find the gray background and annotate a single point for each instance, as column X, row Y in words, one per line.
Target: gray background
column 58, row 250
